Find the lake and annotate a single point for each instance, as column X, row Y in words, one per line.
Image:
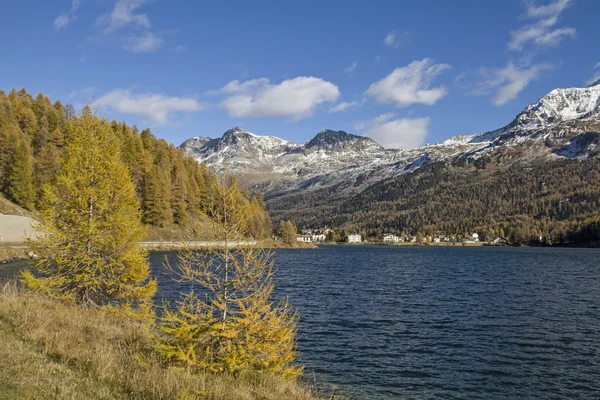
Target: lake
column 388, row 322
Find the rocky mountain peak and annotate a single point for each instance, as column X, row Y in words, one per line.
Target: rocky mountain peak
column 563, row 123
column 330, row 140
column 236, row 133
column 597, row 83
column 561, row 105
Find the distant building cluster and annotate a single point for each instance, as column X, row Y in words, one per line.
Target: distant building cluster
column 316, row 236
column 312, row 236
column 354, row 239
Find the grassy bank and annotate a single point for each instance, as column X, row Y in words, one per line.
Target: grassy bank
column 278, row 244
column 178, row 245
column 8, row 253
column 52, row 350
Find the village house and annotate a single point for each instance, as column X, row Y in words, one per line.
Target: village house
column 391, row 238
column 474, row 237
column 500, row 241
column 304, row 238
column 436, row 240
column 354, row 239
column 318, row 237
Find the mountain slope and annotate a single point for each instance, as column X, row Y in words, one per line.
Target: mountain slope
column 317, row 183
column 247, row 153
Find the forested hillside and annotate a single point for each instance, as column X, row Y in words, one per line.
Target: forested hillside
column 173, row 189
column 552, row 202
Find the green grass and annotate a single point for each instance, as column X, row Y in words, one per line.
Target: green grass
column 55, row 351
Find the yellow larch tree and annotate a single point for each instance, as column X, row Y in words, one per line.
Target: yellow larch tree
column 228, row 321
column 88, row 249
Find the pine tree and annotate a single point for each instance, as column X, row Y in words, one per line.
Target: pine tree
column 20, row 181
column 9, row 139
column 57, row 138
column 179, row 195
column 230, row 323
column 46, row 168
column 88, row 250
column 157, row 204
column 287, row 231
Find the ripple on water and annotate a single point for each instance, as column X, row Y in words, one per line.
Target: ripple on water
column 446, row 322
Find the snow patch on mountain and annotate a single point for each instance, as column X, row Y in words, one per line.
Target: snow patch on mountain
column 564, row 123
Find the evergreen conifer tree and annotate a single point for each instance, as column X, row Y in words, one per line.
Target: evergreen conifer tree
column 20, row 181
column 228, row 322
column 88, row 250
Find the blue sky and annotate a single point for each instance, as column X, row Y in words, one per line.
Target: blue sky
column 403, row 72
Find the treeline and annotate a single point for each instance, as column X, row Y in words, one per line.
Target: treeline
column 172, row 188
column 87, row 254
column 550, row 202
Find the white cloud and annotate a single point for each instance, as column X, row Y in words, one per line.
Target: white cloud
column 122, row 15
column 350, row 68
column 366, row 125
column 131, row 26
column 154, row 107
column 390, row 38
column 87, row 92
column 403, row 133
column 410, row 85
column 396, row 39
column 178, row 49
column 145, row 43
column 542, row 32
column 345, row 105
column 508, row 82
column 549, row 10
column 65, row 18
column 295, row 98
column 596, row 76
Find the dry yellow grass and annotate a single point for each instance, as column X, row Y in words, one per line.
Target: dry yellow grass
column 54, row 351
column 10, row 208
column 8, row 252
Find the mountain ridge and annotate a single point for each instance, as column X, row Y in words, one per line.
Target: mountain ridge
column 563, row 124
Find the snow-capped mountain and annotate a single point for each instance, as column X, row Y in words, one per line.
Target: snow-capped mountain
column 564, row 123
column 244, row 151
column 247, row 153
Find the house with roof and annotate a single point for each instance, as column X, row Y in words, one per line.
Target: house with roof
column 390, row 238
column 354, row 239
column 304, row 238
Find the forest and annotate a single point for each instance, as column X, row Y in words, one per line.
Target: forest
column 551, row 202
column 172, row 189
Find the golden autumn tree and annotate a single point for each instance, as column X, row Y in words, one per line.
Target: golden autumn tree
column 228, row 321
column 88, row 251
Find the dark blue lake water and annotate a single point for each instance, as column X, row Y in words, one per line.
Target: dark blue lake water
column 386, row 322
column 444, row 322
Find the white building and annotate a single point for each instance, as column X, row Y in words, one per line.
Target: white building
column 474, row 237
column 436, row 240
column 391, row 238
column 318, row 237
column 304, row 238
column 354, row 239
column 500, row 241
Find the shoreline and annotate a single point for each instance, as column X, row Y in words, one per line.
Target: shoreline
column 17, row 252
column 206, row 244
